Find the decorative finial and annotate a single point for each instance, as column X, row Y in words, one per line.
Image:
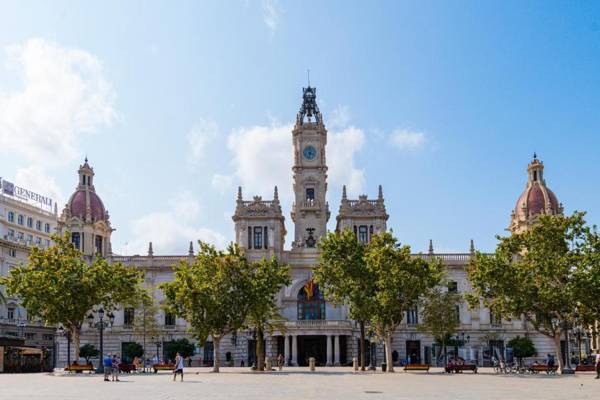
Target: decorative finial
column 275, row 194
column 534, row 155
column 239, row 193
column 86, row 159
column 150, row 251
column 344, row 193
column 430, row 246
column 380, row 194
column 472, row 247
column 191, row 250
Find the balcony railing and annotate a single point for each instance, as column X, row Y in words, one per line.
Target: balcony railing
column 318, row 323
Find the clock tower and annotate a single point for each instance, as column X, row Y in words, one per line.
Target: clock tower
column 310, row 211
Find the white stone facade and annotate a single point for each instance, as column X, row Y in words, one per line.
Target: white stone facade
column 315, row 327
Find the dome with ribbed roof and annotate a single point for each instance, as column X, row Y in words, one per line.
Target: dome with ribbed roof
column 85, row 203
column 536, row 199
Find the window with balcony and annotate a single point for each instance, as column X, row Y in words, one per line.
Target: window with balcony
column 29, row 222
column 128, row 316
column 363, row 234
column 47, row 242
column 412, row 316
column 169, row 319
column 310, row 194
column 29, row 335
column 29, row 239
column 47, row 228
column 11, row 216
column 38, row 241
column 311, row 303
column 20, row 235
column 257, row 237
column 10, row 313
column 76, row 239
column 20, row 219
column 495, row 319
column 38, row 225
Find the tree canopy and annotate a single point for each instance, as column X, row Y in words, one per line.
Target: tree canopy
column 522, row 347
column 549, row 274
column 400, row 282
column 438, row 316
column 343, row 275
column 60, row 286
column 211, row 293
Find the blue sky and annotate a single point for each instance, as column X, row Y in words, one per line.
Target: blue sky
column 443, row 103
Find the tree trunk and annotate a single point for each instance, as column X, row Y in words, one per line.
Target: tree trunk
column 363, row 350
column 75, row 341
column 216, row 353
column 388, row 353
column 260, row 351
column 557, row 349
column 445, row 353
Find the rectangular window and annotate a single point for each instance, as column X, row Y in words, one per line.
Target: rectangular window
column 99, row 245
column 20, row 235
column 29, row 335
column 457, row 312
column 495, row 319
column 257, row 237
column 249, row 237
column 30, row 222
column 29, row 239
column 363, row 234
column 11, row 216
column 169, row 319
column 47, row 337
column 38, row 225
column 310, row 194
column 20, row 220
column 266, row 230
column 10, row 314
column 12, row 252
column 38, row 241
column 75, row 239
column 128, row 316
column 453, row 287
column 412, row 316
column 47, row 228
column 11, row 233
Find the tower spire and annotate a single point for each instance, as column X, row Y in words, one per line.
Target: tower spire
column 150, row 251
column 239, row 195
column 380, row 193
column 191, row 249
column 472, row 247
column 275, row 194
column 430, row 246
column 344, row 197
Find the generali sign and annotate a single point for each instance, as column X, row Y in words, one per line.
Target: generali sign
column 10, row 189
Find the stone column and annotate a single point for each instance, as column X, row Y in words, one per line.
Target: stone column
column 336, row 350
column 294, row 350
column 329, row 363
column 286, row 350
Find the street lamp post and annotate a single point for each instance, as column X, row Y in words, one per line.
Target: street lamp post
column 66, row 333
column 567, row 369
column 157, row 343
column 100, row 325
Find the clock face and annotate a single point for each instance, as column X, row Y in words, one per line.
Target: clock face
column 309, row 152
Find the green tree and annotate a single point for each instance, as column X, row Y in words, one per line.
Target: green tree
column 549, row 275
column 522, row 347
column 132, row 350
column 438, row 316
column 343, row 275
column 400, row 281
column 265, row 280
column 145, row 322
column 88, row 351
column 59, row 286
column 182, row 346
column 211, row 293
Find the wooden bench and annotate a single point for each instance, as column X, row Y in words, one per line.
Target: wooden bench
column 585, row 368
column 80, row 368
column 416, row 367
column 459, row 368
column 537, row 368
column 124, row 367
column 163, row 367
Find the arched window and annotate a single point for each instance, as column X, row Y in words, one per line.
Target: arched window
column 311, row 304
column 20, row 219
column 11, row 216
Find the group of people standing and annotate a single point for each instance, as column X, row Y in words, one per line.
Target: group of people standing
column 111, row 367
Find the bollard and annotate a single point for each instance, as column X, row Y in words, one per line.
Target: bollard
column 268, row 364
column 355, row 364
column 311, row 363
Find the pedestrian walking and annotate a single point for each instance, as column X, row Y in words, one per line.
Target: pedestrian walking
column 280, row 361
column 115, row 368
column 597, row 364
column 107, row 363
column 178, row 367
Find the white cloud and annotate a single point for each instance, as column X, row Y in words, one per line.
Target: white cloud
column 263, row 158
column 64, row 95
column 271, row 14
column 35, row 178
column 202, row 134
column 172, row 230
column 341, row 149
column 407, row 140
column 222, row 183
column 339, row 118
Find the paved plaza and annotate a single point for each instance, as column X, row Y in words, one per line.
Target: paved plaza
column 299, row 383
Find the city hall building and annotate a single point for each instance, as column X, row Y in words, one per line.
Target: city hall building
column 313, row 326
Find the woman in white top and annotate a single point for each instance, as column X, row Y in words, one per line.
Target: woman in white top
column 178, row 367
